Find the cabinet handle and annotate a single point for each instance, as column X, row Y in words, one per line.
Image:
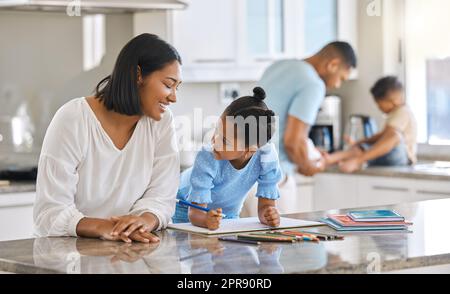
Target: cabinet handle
column 433, row 192
column 264, row 59
column 394, row 189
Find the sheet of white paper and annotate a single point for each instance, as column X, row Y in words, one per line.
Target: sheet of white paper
column 230, row 226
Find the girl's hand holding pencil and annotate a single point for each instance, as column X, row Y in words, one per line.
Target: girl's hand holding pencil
column 213, row 218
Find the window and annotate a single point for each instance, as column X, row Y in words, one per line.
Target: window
column 265, row 27
column 427, row 65
column 438, row 101
column 320, row 24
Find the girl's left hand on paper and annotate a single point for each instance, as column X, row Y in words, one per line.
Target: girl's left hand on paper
column 271, row 216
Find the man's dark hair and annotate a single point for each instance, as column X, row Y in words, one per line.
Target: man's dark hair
column 119, row 91
column 343, row 50
column 385, row 85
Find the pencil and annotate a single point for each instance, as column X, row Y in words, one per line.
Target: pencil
column 297, row 236
column 186, row 203
column 230, row 239
column 266, row 238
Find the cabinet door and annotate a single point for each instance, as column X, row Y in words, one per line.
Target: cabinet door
column 429, row 190
column 374, row 191
column 334, row 191
column 305, row 193
column 206, row 32
column 16, row 215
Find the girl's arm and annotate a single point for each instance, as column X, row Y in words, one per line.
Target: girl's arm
column 267, row 212
column 209, row 220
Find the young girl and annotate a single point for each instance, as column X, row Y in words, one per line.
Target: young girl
column 225, row 171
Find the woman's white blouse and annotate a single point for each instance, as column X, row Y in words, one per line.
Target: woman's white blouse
column 81, row 173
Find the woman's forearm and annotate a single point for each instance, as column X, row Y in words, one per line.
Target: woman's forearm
column 94, row 227
column 151, row 220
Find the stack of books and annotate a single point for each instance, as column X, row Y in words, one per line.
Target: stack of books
column 371, row 220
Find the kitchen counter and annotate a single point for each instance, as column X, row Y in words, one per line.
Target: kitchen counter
column 419, row 172
column 178, row 252
column 18, row 187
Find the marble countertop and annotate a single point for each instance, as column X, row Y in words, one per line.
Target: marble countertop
column 418, row 172
column 18, row 187
column 179, row 252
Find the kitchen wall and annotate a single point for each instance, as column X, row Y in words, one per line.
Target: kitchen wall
column 48, row 48
column 378, row 52
column 41, row 59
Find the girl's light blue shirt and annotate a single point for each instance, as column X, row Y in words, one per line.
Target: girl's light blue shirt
column 220, row 185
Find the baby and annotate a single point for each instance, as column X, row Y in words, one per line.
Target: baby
column 395, row 145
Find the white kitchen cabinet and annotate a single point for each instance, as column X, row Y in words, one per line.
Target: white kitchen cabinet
column 205, row 32
column 305, row 193
column 429, row 190
column 373, row 191
column 16, row 215
column 229, row 40
column 332, row 191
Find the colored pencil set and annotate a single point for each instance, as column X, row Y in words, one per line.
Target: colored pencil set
column 286, row 236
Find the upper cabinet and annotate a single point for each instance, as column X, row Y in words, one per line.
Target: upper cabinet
column 235, row 40
column 205, row 32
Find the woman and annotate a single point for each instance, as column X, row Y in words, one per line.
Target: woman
column 109, row 163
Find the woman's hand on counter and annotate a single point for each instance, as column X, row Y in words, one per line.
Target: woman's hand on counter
column 136, row 228
column 143, row 237
column 96, row 228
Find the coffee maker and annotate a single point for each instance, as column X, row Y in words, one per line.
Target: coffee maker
column 326, row 133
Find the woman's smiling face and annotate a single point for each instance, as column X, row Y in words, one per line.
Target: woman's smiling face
column 159, row 89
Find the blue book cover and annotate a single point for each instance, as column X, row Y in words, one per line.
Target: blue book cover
column 375, row 215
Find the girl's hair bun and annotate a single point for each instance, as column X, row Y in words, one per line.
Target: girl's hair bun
column 259, row 93
column 270, row 112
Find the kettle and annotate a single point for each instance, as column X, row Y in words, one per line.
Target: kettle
column 361, row 127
